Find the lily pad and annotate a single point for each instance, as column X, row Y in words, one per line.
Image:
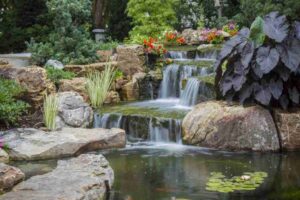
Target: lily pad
column 219, row 183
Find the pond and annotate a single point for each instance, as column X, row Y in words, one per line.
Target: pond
column 147, row 171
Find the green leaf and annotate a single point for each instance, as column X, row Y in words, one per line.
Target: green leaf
column 257, row 32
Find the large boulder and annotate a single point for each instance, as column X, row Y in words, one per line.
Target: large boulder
column 75, row 85
column 9, row 177
column 83, row 70
column 33, row 80
column 131, row 59
column 131, row 90
column 218, row 125
column 73, row 111
column 34, row 144
column 288, row 124
column 86, row 177
column 105, row 55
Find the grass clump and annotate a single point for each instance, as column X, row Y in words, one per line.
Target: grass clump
column 98, row 85
column 10, row 107
column 50, row 111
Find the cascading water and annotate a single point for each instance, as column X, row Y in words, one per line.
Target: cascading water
column 142, row 128
column 170, row 86
column 190, row 93
column 180, row 89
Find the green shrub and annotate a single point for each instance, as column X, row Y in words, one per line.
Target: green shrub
column 70, row 40
column 108, row 45
column 55, row 75
column 98, row 85
column 50, row 111
column 10, row 108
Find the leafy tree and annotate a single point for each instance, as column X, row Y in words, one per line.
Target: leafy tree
column 69, row 40
column 250, row 9
column 119, row 24
column 151, row 17
column 20, row 21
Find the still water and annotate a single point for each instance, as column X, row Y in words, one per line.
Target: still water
column 170, row 171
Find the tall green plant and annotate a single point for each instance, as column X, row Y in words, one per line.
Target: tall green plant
column 50, row 111
column 98, row 85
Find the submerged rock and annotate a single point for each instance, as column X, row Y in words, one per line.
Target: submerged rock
column 34, row 144
column 217, row 125
column 288, row 124
column 86, row 177
column 9, row 176
column 73, row 111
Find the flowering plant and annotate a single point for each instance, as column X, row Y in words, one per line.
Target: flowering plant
column 212, row 36
column 152, row 48
column 173, row 37
column 232, row 28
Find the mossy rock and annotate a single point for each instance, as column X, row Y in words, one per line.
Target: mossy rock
column 128, row 110
column 209, row 47
column 196, row 63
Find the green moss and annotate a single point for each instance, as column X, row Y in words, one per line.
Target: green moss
column 210, row 80
column 209, row 48
column 248, row 181
column 181, row 48
column 142, row 111
column 197, row 63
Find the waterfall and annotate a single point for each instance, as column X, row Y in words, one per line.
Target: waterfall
column 210, row 55
column 190, row 93
column 170, row 83
column 143, row 128
column 178, row 55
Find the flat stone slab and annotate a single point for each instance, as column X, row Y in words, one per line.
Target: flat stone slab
column 86, row 177
column 34, row 144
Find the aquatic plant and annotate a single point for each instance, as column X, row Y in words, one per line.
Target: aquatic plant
column 248, row 181
column 98, row 85
column 50, row 111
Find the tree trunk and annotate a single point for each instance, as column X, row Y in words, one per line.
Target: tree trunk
column 99, row 13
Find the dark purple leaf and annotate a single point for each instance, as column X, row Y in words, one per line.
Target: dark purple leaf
column 284, row 101
column 262, row 93
column 276, row 26
column 297, row 30
column 257, row 70
column 294, row 95
column 245, row 92
column 276, row 88
column 283, row 72
column 238, row 81
column 230, row 45
column 247, row 53
column 267, row 59
column 226, row 84
column 290, row 53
